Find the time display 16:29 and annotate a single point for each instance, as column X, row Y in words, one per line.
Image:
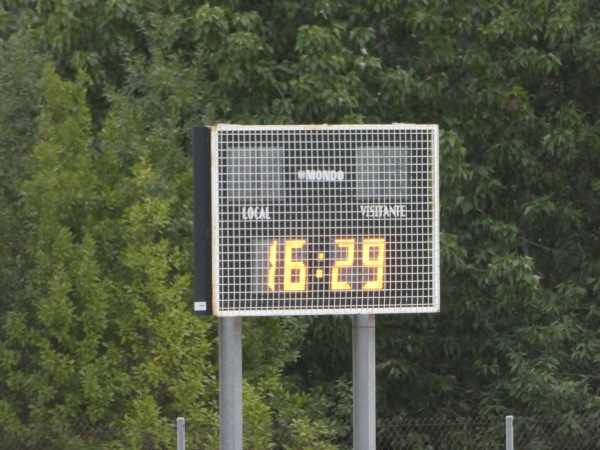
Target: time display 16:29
column 342, row 264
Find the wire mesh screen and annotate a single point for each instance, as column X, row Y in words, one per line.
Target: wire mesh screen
column 324, row 219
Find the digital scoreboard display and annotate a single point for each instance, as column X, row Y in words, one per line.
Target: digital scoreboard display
column 316, row 219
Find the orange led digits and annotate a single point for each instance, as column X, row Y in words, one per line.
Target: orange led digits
column 377, row 244
column 299, row 266
column 272, row 265
column 293, row 268
column 336, row 284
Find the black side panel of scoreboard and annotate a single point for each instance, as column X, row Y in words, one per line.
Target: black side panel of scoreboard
column 202, row 222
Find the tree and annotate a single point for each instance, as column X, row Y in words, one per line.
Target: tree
column 513, row 86
column 100, row 333
column 20, row 68
column 91, row 335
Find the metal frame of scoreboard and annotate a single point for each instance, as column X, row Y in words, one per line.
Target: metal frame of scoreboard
column 316, row 219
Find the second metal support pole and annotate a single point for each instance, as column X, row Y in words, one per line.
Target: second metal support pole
column 363, row 381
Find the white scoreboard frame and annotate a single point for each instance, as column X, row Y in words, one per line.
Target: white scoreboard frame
column 313, row 155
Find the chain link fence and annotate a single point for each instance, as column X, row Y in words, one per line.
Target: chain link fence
column 534, row 433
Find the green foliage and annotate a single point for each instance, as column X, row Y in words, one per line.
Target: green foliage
column 95, row 322
column 20, row 68
column 93, row 336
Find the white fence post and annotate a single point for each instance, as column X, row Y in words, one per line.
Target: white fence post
column 180, row 433
column 510, row 441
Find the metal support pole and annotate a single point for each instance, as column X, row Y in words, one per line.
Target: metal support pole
column 363, row 381
column 230, row 382
column 510, row 441
column 180, row 433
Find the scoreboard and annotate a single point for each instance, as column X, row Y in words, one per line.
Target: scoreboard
column 316, row 219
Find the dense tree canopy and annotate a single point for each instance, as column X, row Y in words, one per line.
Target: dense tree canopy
column 98, row 101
